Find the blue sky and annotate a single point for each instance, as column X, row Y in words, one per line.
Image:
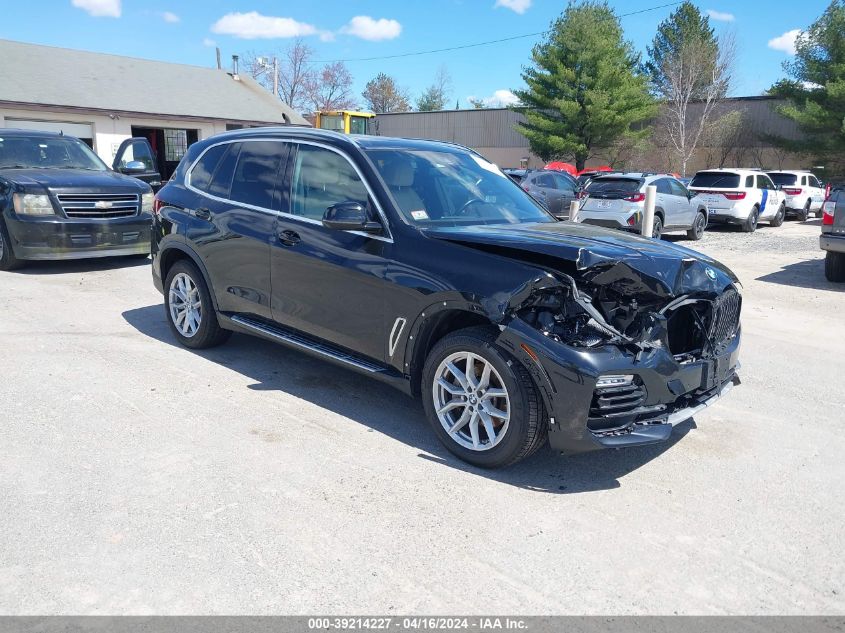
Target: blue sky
column 186, row 32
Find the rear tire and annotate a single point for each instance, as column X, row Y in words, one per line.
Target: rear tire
column 189, row 308
column 657, row 228
column 779, row 216
column 804, row 213
column 8, row 261
column 513, row 438
column 698, row 225
column 750, row 224
column 834, row 267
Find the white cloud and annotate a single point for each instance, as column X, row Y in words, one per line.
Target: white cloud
column 785, row 42
column 99, row 8
column 519, row 6
column 253, row 25
column 499, row 99
column 172, row 18
column 209, row 42
column 719, row 16
column 367, row 28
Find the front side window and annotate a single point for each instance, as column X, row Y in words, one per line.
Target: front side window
column 763, row 182
column 545, row 181
column 257, row 173
column 322, row 178
column 563, row 182
column 137, row 151
column 47, row 152
column 445, row 187
column 677, row 188
column 814, row 182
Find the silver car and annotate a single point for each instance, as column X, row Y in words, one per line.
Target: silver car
column 554, row 189
column 618, row 201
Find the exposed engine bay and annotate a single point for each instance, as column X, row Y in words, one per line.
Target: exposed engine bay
column 590, row 314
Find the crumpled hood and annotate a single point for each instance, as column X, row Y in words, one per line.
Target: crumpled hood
column 603, row 256
column 73, row 179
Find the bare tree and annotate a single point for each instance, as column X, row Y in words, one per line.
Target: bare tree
column 296, row 76
column 723, row 136
column 435, row 96
column 331, row 88
column 382, row 94
column 698, row 77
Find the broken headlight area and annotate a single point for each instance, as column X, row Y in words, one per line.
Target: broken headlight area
column 688, row 327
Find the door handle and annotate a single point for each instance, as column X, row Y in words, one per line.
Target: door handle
column 203, row 214
column 289, row 238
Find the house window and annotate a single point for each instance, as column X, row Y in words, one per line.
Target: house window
column 175, row 144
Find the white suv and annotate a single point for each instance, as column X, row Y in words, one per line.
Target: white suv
column 740, row 196
column 617, row 201
column 804, row 193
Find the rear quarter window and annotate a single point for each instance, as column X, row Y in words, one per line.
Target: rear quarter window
column 720, row 179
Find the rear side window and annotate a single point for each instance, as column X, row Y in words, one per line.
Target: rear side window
column 721, row 179
column 257, row 173
column 203, row 169
column 763, row 182
column 614, row 185
column 677, row 188
column 784, row 179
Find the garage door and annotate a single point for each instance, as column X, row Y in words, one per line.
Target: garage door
column 79, row 130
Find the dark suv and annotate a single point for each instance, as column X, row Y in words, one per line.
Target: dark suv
column 58, row 200
column 421, row 264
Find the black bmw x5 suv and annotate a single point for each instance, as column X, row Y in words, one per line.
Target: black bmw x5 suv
column 422, row 265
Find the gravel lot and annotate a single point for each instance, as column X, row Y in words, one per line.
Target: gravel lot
column 140, row 477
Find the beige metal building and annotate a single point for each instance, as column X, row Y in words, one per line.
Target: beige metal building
column 104, row 99
column 492, row 132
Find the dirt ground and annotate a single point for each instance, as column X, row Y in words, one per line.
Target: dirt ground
column 139, row 477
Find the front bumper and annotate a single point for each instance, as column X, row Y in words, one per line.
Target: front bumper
column 566, row 376
column 835, row 243
column 56, row 238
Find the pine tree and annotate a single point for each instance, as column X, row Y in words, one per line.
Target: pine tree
column 585, row 90
column 815, row 91
column 684, row 29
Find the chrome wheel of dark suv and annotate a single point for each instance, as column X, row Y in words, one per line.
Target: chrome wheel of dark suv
column 190, row 312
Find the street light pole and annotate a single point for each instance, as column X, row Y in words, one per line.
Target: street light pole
column 275, row 76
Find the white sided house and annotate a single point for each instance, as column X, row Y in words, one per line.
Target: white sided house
column 105, row 99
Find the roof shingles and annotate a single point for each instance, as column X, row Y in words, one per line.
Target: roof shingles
column 45, row 75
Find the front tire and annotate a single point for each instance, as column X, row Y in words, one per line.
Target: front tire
column 8, row 261
column 480, row 401
column 189, row 309
column 750, row 224
column 698, row 225
column 834, row 267
column 779, row 216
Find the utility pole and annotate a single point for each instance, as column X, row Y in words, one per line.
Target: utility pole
column 275, row 76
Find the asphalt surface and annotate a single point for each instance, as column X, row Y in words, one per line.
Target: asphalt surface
column 139, row 477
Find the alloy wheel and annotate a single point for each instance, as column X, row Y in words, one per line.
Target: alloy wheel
column 185, row 305
column 699, row 225
column 471, row 401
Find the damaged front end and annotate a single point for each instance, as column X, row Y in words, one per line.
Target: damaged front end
column 622, row 355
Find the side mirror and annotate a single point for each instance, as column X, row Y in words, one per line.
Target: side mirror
column 133, row 167
column 349, row 216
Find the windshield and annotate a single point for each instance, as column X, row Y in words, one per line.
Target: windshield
column 726, row 180
column 444, row 188
column 784, row 179
column 47, row 152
